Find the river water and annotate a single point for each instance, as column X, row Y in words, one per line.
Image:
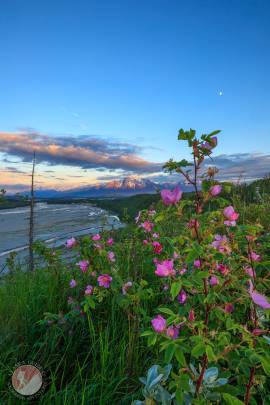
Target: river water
column 53, row 223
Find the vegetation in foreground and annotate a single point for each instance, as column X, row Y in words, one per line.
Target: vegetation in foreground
column 180, row 297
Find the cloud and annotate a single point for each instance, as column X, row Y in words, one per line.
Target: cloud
column 82, row 151
column 14, row 170
column 241, row 166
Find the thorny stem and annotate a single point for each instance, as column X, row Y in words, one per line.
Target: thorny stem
column 198, row 200
column 249, row 385
column 253, row 316
column 200, row 379
column 195, row 185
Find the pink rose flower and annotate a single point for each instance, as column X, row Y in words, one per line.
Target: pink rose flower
column 96, row 237
column 157, row 247
column 221, row 243
column 70, row 243
column 165, row 269
column 249, row 271
column 111, row 256
column 172, row 332
column 215, row 190
column 182, row 297
column 147, row 226
column 89, row 290
column 254, row 256
column 104, row 280
column 258, row 298
column 110, row 241
column 197, row 263
column 230, row 215
column 159, row 324
column 171, row 197
column 72, row 283
column 83, row 264
column 213, row 280
column 224, row 270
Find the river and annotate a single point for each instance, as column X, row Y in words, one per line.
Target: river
column 53, row 224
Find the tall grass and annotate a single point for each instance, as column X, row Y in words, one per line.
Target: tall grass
column 94, row 359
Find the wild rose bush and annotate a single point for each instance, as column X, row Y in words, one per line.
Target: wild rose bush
column 215, row 281
column 195, row 286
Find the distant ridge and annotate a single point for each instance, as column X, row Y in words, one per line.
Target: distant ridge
column 123, row 187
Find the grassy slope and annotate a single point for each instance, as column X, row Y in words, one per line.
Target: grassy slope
column 127, row 208
column 99, row 360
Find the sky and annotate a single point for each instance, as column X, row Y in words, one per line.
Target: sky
column 100, row 88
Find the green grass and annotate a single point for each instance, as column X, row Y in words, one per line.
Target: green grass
column 95, row 360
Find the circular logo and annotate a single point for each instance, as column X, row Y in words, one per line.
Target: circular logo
column 27, row 380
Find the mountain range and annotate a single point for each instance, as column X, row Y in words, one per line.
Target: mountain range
column 124, row 187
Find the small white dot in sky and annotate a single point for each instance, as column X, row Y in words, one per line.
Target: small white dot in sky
column 220, row 93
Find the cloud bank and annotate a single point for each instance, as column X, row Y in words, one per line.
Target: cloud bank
column 241, row 166
column 111, row 158
column 86, row 152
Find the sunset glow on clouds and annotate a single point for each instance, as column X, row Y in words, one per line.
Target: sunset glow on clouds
column 74, row 161
column 67, row 162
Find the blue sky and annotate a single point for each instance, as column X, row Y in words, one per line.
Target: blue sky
column 135, row 72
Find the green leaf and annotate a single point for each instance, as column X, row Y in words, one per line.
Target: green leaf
column 169, row 352
column 206, row 185
column 186, row 135
column 198, row 350
column 147, row 333
column 184, row 163
column 91, row 302
column 151, row 339
column 175, row 288
column 217, row 131
column 179, row 395
column 180, row 357
column 265, row 365
column 210, row 354
column 167, row 311
column 231, row 400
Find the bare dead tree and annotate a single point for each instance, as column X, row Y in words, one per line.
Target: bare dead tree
column 31, row 220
